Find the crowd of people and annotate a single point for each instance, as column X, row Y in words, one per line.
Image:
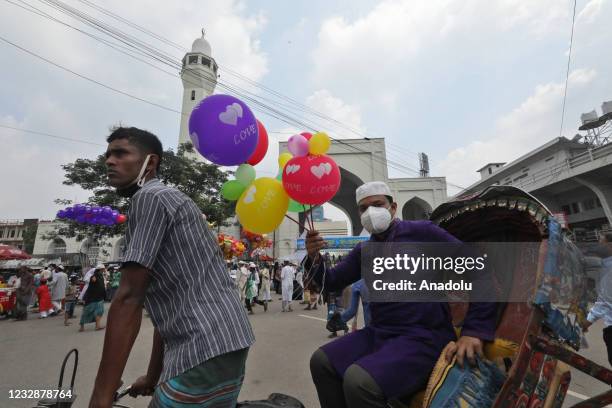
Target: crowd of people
column 51, row 292
column 255, row 281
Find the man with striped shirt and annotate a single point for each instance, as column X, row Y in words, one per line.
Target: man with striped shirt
column 173, row 266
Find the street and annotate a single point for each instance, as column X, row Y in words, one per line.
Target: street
column 32, row 352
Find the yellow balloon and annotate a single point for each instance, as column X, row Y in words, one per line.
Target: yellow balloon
column 319, row 143
column 283, row 159
column 262, row 206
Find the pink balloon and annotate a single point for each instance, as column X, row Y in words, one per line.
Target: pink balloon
column 298, row 145
column 311, row 180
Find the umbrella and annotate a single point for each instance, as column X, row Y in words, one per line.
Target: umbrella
column 10, row 252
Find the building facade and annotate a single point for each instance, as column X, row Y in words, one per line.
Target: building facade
column 75, row 253
column 570, row 178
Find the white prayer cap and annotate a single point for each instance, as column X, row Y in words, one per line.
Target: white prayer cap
column 100, row 266
column 372, row 188
column 252, row 265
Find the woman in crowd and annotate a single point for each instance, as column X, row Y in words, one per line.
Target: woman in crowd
column 94, row 301
column 24, row 293
column 251, row 287
column 44, row 299
column 264, row 291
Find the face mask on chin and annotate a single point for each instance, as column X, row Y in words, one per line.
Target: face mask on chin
column 131, row 189
column 376, row 219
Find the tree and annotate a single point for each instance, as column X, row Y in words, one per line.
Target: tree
column 200, row 181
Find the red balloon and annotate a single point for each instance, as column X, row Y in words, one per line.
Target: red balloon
column 311, row 180
column 121, row 218
column 306, row 135
column 262, row 145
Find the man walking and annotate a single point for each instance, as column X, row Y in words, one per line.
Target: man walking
column 287, row 276
column 174, row 267
column 58, row 289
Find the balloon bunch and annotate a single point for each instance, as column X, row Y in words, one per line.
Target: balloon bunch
column 258, row 253
column 231, row 247
column 224, row 130
column 310, row 176
column 256, row 240
column 92, row 215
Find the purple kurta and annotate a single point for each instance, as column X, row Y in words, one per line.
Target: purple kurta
column 404, row 340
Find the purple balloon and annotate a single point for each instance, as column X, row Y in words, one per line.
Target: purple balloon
column 61, row 214
column 298, row 145
column 224, row 130
column 80, row 218
column 114, row 214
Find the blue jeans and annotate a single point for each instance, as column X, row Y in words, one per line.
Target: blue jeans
column 352, row 310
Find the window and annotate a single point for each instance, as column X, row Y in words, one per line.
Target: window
column 525, row 169
column 193, row 59
column 490, row 171
column 205, row 61
column 193, row 95
column 58, row 246
column 589, row 204
column 92, row 249
column 522, row 176
column 1, row 233
column 575, row 208
column 215, row 67
column 12, row 233
column 566, row 209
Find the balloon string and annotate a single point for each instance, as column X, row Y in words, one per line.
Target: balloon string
column 296, row 221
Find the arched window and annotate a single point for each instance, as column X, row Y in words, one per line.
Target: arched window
column 193, row 95
column 57, row 246
column 92, row 249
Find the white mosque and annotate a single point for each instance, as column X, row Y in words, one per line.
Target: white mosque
column 199, row 76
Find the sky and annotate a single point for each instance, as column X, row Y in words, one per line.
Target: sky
column 466, row 81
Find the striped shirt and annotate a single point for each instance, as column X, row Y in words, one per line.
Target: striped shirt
column 191, row 298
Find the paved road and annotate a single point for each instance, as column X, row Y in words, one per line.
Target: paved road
column 31, row 353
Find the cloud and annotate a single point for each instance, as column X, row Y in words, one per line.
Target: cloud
column 34, row 177
column 329, row 105
column 590, row 12
column 382, row 53
column 531, row 124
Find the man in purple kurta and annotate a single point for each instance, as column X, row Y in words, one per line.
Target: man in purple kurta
column 394, row 355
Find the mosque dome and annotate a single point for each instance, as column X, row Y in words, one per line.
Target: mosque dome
column 200, row 45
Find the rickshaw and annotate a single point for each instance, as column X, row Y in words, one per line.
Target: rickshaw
column 536, row 341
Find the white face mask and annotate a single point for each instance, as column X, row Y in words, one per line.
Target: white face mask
column 376, row 219
column 137, row 183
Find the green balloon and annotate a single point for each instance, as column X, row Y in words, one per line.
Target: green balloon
column 232, row 190
column 245, row 174
column 294, row 206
